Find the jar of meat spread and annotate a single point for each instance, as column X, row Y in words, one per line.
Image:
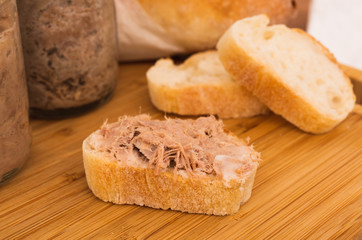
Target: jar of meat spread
column 15, row 136
column 70, row 54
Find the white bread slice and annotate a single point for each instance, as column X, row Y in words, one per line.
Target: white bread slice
column 121, row 165
column 289, row 71
column 200, row 86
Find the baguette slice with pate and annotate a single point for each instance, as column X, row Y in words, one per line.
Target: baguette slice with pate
column 187, row 165
column 289, row 71
column 200, row 86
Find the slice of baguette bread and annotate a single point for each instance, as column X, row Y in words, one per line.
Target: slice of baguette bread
column 200, row 86
column 289, row 71
column 187, row 165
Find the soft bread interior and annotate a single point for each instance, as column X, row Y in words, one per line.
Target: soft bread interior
column 200, row 86
column 299, row 62
column 202, row 68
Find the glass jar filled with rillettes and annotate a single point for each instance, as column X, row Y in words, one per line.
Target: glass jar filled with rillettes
column 15, row 134
column 70, row 55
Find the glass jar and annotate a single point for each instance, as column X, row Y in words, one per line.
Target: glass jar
column 70, row 54
column 15, row 135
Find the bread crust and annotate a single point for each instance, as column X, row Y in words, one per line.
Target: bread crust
column 119, row 183
column 197, row 25
column 227, row 99
column 267, row 86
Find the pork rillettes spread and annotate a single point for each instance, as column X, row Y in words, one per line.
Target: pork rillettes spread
column 192, row 148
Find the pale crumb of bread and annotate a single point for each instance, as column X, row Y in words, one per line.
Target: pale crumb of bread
column 289, row 71
column 200, row 86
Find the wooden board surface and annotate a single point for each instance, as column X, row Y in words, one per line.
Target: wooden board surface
column 307, row 187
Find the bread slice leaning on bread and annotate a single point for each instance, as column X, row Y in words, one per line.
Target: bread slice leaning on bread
column 187, row 165
column 289, row 71
column 200, row 86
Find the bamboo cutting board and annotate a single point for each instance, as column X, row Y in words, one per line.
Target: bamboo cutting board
column 307, row 187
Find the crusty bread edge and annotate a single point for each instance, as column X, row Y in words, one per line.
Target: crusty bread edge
column 224, row 101
column 113, row 182
column 213, row 18
column 264, row 84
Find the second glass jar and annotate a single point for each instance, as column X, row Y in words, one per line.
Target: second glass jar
column 70, row 54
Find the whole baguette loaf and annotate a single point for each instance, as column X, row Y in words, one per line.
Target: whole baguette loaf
column 149, row 29
column 187, row 165
column 200, row 86
column 289, row 71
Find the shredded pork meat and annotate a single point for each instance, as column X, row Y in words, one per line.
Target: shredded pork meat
column 189, row 145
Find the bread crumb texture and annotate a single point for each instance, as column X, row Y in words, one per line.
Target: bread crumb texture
column 200, row 86
column 289, row 71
